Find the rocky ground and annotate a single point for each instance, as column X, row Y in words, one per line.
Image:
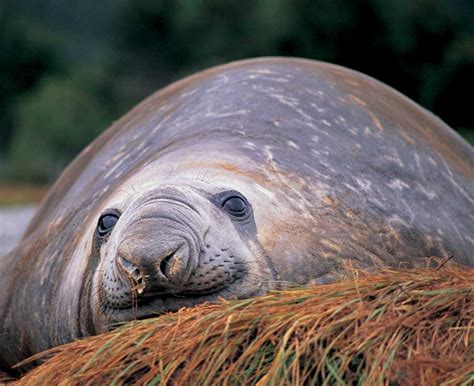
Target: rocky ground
column 13, row 222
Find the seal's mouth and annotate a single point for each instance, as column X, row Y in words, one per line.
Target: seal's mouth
column 154, row 304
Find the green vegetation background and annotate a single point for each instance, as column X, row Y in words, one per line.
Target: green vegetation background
column 70, row 68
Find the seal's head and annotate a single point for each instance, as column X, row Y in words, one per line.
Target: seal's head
column 160, row 248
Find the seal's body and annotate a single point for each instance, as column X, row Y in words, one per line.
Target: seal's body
column 231, row 182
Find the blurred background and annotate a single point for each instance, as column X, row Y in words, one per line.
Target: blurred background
column 68, row 69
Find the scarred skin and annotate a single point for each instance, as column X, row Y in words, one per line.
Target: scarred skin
column 333, row 167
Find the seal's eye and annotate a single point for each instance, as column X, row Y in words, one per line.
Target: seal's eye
column 235, row 206
column 106, row 223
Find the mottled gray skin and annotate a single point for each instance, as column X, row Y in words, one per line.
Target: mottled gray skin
column 335, row 168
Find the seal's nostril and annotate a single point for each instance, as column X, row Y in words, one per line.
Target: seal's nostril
column 165, row 264
column 133, row 273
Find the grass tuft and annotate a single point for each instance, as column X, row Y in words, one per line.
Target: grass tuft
column 399, row 328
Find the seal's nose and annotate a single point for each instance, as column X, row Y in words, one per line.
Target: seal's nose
column 152, row 265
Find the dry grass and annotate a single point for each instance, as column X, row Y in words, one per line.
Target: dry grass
column 398, row 328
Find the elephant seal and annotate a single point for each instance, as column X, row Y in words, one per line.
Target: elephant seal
column 229, row 183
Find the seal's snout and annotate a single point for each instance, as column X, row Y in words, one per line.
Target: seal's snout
column 154, row 265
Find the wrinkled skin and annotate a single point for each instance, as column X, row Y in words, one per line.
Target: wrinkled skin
column 329, row 167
